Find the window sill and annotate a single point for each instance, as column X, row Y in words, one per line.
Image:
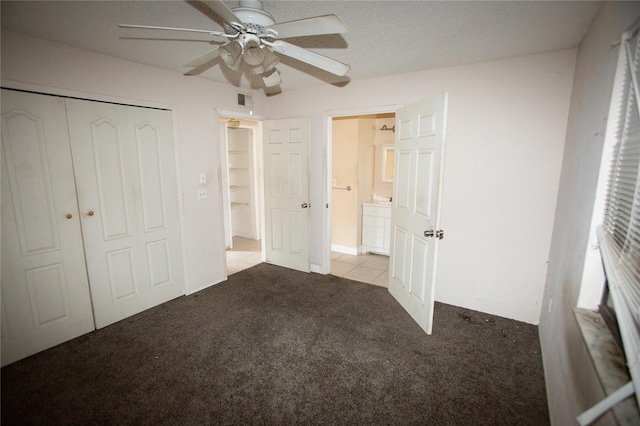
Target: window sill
column 608, row 362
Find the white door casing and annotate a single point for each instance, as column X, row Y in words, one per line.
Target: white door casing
column 45, row 290
column 127, row 193
column 417, row 189
column 226, row 197
column 286, row 194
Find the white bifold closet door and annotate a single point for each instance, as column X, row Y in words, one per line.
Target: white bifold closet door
column 124, row 165
column 45, row 290
column 90, row 230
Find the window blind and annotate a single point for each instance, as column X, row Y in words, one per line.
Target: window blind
column 619, row 235
column 622, row 211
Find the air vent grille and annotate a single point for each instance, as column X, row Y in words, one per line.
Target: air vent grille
column 245, row 100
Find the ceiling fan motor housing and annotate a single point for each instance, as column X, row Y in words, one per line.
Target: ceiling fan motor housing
column 252, row 16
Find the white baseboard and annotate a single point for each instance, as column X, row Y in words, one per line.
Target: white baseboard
column 344, row 249
column 316, row 268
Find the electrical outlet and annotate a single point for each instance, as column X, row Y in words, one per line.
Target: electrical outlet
column 203, row 178
column 202, row 194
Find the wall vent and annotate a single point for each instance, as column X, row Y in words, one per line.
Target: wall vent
column 245, row 100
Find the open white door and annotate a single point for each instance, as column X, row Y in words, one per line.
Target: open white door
column 286, row 194
column 415, row 216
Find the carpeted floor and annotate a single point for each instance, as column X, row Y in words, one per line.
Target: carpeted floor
column 275, row 346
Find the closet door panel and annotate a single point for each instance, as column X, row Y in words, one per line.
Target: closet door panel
column 157, row 209
column 125, row 176
column 45, row 292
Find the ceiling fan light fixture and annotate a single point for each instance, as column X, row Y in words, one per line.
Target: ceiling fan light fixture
column 231, row 54
column 255, row 38
column 253, row 52
column 272, row 79
column 268, row 64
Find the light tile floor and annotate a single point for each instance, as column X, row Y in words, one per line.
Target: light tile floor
column 244, row 254
column 366, row 268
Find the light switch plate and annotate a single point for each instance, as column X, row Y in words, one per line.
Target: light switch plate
column 203, row 178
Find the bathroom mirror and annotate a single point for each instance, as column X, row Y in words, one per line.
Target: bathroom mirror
column 387, row 163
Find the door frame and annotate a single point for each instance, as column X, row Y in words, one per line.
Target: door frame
column 258, row 169
column 327, row 117
column 97, row 97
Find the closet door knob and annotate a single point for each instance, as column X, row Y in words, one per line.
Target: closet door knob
column 69, row 215
column 90, row 213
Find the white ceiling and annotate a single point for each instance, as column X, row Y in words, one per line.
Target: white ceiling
column 384, row 37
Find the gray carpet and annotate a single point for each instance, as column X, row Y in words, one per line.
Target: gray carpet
column 275, row 346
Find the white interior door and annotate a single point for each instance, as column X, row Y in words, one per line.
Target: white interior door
column 415, row 217
column 45, row 291
column 286, row 194
column 124, row 163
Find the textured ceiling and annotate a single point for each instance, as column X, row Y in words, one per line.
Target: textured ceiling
column 384, row 37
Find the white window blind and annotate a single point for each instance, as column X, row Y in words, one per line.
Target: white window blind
column 619, row 234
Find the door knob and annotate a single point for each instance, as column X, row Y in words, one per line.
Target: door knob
column 439, row 234
column 90, row 213
column 69, row 215
column 305, row 205
column 429, row 233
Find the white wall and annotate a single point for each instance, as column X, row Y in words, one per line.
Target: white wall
column 56, row 68
column 572, row 385
column 507, row 121
column 506, row 128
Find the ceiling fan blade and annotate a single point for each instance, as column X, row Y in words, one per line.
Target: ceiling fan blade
column 311, row 58
column 201, row 60
column 150, row 27
column 327, row 24
column 223, row 11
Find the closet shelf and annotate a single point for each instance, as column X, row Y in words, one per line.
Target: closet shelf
column 234, row 188
column 237, row 169
column 235, row 205
column 237, row 152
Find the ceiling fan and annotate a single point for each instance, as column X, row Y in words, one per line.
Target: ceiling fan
column 254, row 37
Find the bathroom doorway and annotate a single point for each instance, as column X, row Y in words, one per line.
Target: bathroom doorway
column 361, row 191
column 242, row 192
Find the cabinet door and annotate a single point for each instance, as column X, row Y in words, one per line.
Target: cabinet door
column 45, row 291
column 127, row 193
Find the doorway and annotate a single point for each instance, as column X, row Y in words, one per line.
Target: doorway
column 241, row 167
column 361, row 189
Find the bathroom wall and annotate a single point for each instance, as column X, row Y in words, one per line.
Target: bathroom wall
column 382, row 137
column 366, row 159
column 344, row 204
column 353, row 158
